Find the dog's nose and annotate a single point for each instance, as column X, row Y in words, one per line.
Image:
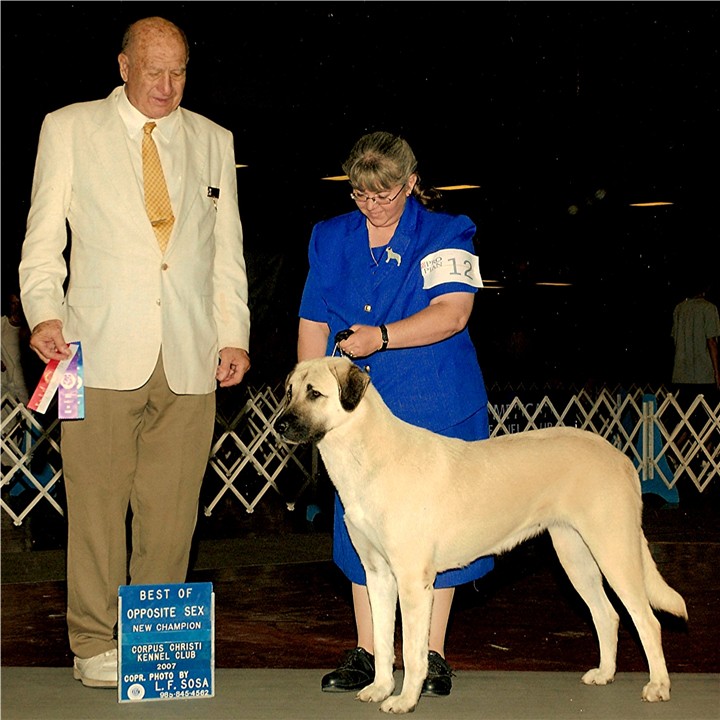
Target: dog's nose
column 281, row 425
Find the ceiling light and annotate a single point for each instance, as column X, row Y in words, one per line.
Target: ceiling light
column 458, row 187
column 649, row 204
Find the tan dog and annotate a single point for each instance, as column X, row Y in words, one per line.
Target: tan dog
column 417, row 503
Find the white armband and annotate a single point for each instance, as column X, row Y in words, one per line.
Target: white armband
column 450, row 265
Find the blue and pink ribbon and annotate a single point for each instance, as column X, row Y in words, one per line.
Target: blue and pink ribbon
column 66, row 378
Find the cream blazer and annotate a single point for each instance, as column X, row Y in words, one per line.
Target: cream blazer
column 123, row 299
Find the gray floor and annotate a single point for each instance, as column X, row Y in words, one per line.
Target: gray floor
column 52, row 694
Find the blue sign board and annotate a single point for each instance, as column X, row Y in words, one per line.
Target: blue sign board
column 166, row 642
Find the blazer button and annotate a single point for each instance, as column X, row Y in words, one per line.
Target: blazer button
column 157, row 302
column 368, row 308
column 164, row 266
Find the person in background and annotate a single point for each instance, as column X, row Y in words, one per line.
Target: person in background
column 161, row 326
column 15, row 334
column 19, row 366
column 402, row 279
column 696, row 371
column 695, row 332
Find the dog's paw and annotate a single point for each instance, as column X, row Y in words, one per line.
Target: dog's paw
column 375, row 692
column 598, row 676
column 656, row 692
column 400, row 704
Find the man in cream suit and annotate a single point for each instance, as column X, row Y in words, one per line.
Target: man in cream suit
column 159, row 329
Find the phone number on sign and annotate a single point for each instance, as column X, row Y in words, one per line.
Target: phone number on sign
column 185, row 693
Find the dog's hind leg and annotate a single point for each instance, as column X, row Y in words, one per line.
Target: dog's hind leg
column 416, row 598
column 382, row 591
column 625, row 574
column 648, row 628
column 585, row 575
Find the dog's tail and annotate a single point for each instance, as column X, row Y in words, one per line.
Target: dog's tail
column 660, row 594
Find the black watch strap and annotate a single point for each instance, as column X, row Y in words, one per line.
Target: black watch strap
column 384, row 335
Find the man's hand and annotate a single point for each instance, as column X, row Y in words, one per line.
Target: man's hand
column 234, row 363
column 48, row 342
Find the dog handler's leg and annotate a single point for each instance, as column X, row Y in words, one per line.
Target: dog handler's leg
column 416, row 598
column 442, row 605
column 382, row 591
column 363, row 617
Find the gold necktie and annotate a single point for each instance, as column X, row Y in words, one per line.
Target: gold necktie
column 157, row 199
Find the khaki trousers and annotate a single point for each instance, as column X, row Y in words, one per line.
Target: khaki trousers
column 146, row 449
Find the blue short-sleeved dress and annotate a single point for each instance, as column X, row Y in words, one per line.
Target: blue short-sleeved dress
column 438, row 386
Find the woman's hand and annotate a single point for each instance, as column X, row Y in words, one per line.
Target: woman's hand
column 445, row 316
column 364, row 340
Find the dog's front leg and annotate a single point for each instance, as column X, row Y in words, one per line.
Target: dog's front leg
column 382, row 591
column 416, row 598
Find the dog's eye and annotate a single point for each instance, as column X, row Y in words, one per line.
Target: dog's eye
column 312, row 393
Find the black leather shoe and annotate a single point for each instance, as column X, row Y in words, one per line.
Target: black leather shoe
column 438, row 681
column 356, row 671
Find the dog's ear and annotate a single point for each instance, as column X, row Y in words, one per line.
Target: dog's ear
column 353, row 382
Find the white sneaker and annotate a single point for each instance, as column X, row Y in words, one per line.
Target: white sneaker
column 99, row 671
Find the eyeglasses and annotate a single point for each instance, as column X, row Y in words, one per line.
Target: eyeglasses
column 359, row 197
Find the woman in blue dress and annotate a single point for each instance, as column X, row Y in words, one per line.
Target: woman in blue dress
column 403, row 279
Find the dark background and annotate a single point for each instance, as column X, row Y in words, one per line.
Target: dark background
column 562, row 113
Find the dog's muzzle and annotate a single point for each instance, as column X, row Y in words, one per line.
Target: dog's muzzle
column 282, row 425
column 293, row 430
column 289, row 428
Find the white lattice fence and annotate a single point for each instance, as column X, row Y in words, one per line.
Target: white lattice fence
column 249, row 457
column 31, row 464
column 686, row 436
column 667, row 439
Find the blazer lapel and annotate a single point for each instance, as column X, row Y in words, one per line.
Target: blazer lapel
column 114, row 157
column 193, row 160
